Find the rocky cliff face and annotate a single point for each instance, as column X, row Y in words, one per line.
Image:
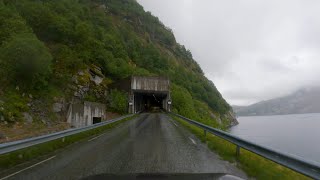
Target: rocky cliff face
column 231, row 116
column 303, row 101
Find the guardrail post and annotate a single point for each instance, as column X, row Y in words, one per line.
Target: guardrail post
column 237, row 151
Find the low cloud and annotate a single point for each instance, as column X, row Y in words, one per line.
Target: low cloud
column 252, row 50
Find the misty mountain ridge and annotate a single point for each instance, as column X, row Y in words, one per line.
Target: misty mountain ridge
column 305, row 100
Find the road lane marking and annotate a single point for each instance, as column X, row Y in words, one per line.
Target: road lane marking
column 193, row 141
column 93, row 138
column 27, row 168
column 174, row 123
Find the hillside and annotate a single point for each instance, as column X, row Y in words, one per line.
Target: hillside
column 53, row 53
column 302, row 101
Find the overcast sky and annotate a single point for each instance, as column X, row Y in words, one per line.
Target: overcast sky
column 252, row 50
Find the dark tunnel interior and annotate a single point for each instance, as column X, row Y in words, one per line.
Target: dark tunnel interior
column 149, row 102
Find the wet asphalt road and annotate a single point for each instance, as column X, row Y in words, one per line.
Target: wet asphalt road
column 150, row 143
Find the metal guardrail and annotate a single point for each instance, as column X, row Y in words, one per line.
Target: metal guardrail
column 310, row 169
column 21, row 144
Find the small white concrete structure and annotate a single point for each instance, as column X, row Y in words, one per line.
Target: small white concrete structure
column 85, row 114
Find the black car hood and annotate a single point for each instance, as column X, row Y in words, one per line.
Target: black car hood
column 159, row 176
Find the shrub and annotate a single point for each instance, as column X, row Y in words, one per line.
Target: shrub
column 25, row 61
column 117, row 101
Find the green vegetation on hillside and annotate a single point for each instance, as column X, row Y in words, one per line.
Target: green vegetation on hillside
column 43, row 44
column 26, row 62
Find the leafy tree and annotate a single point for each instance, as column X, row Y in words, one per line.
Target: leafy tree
column 66, row 60
column 26, row 61
column 117, row 101
column 182, row 101
column 11, row 23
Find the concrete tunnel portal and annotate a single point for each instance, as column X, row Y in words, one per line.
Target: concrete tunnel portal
column 149, row 94
column 149, row 101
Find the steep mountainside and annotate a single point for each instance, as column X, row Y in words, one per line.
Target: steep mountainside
column 302, row 101
column 53, row 53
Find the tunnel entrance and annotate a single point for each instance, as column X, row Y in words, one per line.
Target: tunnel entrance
column 150, row 94
column 150, row 102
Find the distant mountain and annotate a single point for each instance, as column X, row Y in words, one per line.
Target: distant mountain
column 306, row 100
column 237, row 108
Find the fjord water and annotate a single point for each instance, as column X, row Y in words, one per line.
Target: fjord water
column 296, row 134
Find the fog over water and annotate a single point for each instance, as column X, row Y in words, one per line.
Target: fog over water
column 296, row 134
column 252, row 50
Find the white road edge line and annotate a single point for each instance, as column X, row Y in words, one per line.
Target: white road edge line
column 89, row 140
column 93, row 138
column 27, row 168
column 193, row 141
column 174, row 123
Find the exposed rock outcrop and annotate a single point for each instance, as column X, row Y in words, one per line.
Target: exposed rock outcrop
column 27, row 117
column 57, row 107
column 96, row 75
column 90, row 81
column 232, row 118
column 216, row 118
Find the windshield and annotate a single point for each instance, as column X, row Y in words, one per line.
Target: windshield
column 173, row 89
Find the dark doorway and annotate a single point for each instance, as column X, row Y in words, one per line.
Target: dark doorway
column 151, row 102
column 96, row 120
